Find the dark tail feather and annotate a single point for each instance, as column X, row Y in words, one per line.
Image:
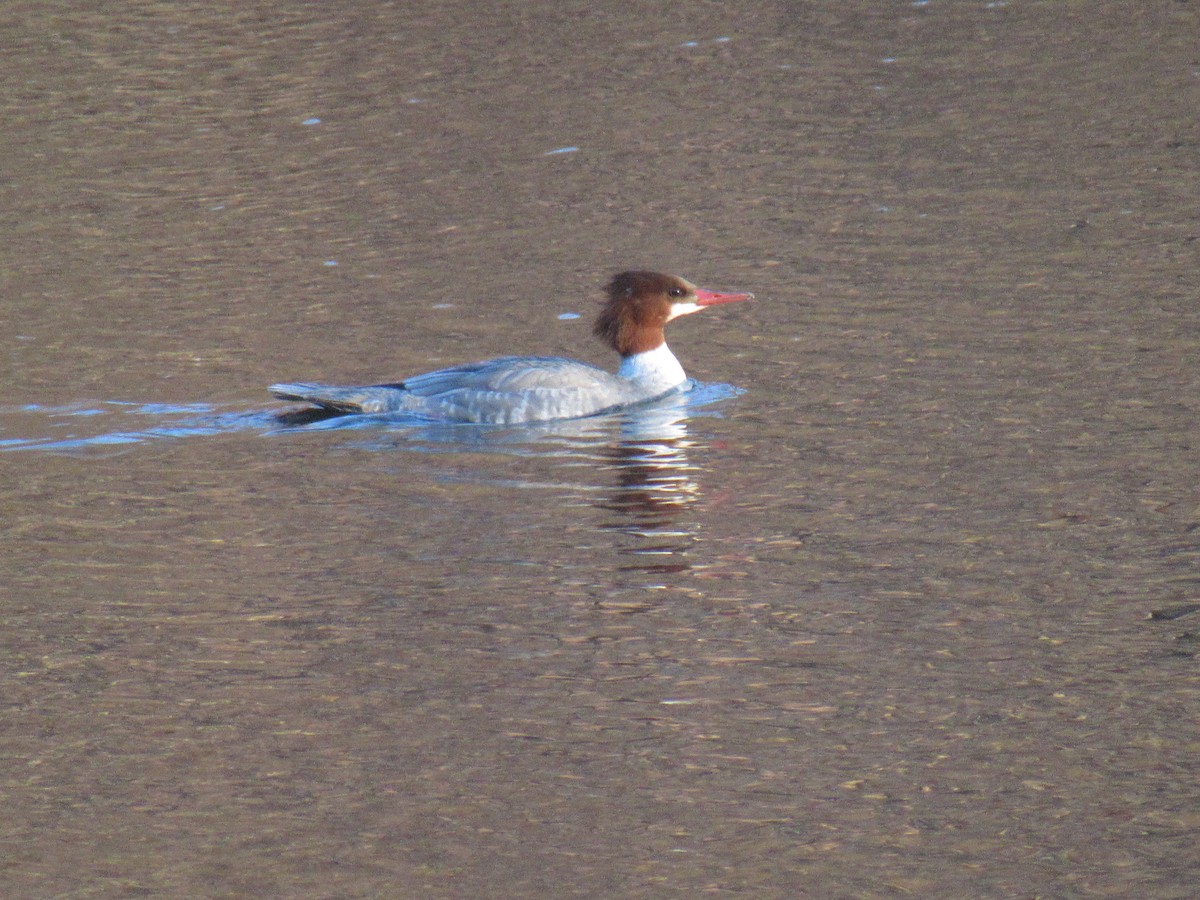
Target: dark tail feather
column 334, row 399
column 309, row 415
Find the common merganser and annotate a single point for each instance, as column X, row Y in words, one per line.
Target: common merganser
column 517, row 389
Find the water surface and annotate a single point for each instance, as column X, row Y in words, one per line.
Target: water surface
column 914, row 615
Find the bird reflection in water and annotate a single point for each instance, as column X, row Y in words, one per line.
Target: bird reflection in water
column 656, row 488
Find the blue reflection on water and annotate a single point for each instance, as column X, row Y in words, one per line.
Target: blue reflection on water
column 83, row 425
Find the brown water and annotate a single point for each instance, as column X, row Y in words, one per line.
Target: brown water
column 880, row 626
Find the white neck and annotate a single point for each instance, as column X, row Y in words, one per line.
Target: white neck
column 656, row 369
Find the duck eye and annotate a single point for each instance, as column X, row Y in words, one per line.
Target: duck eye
column 676, row 292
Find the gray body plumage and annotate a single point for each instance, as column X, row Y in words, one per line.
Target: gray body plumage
column 504, row 391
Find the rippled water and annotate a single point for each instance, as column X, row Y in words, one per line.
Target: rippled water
column 83, row 427
column 901, row 600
